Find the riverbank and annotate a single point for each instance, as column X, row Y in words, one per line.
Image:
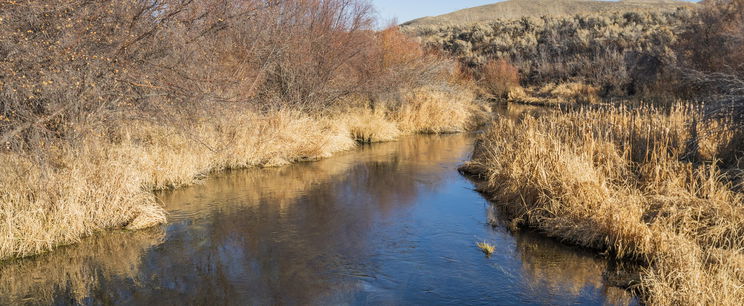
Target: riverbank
column 107, row 181
column 659, row 186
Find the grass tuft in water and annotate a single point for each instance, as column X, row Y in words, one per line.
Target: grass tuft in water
column 486, row 247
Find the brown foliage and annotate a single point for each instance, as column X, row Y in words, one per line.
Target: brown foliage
column 397, row 49
column 714, row 42
column 711, row 59
column 69, row 67
column 498, row 77
column 395, row 60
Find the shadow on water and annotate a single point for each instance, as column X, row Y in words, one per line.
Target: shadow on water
column 389, row 223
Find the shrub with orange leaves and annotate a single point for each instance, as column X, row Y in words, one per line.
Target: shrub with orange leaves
column 397, row 49
column 498, row 77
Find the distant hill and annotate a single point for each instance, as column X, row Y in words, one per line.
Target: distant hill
column 537, row 8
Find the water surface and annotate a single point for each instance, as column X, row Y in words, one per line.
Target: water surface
column 389, row 223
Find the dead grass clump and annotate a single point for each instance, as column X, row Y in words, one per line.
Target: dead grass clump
column 435, row 110
column 371, row 125
column 551, row 94
column 576, row 92
column 624, row 181
column 90, row 189
column 486, row 247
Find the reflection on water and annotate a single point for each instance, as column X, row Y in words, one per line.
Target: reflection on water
column 551, row 266
column 387, row 224
column 74, row 273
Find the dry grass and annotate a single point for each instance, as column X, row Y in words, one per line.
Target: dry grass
column 107, row 181
column 555, row 94
column 368, row 125
column 486, row 247
column 436, row 110
column 637, row 183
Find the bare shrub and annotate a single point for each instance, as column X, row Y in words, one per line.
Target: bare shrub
column 711, row 53
column 397, row 49
column 499, row 77
column 714, row 41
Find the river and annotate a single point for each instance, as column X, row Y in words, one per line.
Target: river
column 390, row 223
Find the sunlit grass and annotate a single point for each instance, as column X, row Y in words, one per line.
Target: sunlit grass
column 486, row 247
column 630, row 182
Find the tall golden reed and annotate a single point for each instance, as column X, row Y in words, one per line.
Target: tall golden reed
column 647, row 184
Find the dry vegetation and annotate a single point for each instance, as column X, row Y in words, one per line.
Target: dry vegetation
column 486, row 247
column 595, row 55
column 553, row 94
column 619, row 52
column 657, row 184
column 104, row 101
column 643, row 183
column 499, row 78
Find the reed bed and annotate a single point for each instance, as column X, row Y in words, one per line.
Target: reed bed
column 653, row 185
column 555, row 94
column 432, row 110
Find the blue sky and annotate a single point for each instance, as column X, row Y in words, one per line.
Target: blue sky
column 405, row 10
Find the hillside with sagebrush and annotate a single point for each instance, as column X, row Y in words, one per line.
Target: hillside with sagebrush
column 538, row 8
column 620, row 50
